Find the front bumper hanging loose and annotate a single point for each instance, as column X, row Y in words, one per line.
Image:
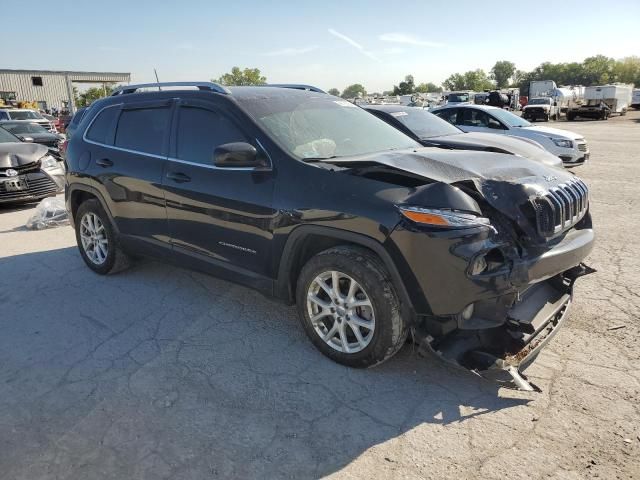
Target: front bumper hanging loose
column 502, row 353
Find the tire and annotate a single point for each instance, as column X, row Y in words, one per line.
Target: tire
column 115, row 259
column 570, row 117
column 389, row 331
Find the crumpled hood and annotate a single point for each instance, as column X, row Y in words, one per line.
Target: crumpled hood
column 552, row 132
column 505, row 182
column 450, row 166
column 500, row 144
column 20, row 154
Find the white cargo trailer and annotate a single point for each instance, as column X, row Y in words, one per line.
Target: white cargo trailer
column 542, row 88
column 635, row 99
column 617, row 96
column 601, row 101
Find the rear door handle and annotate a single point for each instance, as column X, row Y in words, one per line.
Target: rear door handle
column 104, row 162
column 178, row 177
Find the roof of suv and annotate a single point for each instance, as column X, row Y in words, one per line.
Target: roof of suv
column 240, row 94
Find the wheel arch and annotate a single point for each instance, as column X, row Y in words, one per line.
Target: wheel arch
column 308, row 240
column 81, row 193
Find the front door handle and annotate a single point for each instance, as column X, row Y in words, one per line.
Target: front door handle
column 104, row 162
column 178, row 177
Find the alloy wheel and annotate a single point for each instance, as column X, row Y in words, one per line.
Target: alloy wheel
column 341, row 312
column 94, row 238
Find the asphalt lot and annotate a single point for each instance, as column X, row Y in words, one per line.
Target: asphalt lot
column 160, row 372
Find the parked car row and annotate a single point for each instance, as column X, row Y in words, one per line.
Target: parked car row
column 570, row 147
column 25, row 115
column 28, row 172
column 313, row 200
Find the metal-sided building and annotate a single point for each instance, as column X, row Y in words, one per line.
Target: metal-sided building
column 50, row 88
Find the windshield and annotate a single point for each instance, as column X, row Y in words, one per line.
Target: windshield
column 25, row 115
column 424, row 124
column 458, row 97
column 21, row 128
column 323, row 127
column 509, row 118
column 6, row 137
column 540, row 101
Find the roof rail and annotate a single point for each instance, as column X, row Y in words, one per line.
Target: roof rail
column 296, row 86
column 214, row 87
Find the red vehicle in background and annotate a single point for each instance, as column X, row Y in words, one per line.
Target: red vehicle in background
column 523, row 101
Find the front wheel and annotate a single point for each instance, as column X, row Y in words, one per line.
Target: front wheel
column 349, row 308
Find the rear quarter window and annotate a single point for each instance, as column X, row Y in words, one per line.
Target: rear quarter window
column 101, row 129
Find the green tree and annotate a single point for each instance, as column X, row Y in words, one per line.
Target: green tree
column 334, row 91
column 476, row 80
column 455, row 81
column 598, row 69
column 502, row 72
column 353, row 91
column 248, row 76
column 405, row 88
column 428, row 88
column 627, row 70
column 92, row 94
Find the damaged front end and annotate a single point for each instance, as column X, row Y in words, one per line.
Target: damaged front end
column 489, row 252
column 502, row 353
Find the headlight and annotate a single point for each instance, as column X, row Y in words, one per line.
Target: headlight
column 560, row 142
column 48, row 162
column 443, row 218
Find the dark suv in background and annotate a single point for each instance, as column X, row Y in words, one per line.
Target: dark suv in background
column 308, row 198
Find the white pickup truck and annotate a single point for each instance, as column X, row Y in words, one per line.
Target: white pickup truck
column 541, row 108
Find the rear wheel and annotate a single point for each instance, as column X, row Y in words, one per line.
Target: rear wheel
column 97, row 241
column 349, row 308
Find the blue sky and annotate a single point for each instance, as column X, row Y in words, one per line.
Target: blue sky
column 327, row 43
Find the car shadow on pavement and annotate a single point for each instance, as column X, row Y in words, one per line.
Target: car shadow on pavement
column 16, row 207
column 161, row 369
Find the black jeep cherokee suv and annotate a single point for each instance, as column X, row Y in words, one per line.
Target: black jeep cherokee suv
column 309, row 198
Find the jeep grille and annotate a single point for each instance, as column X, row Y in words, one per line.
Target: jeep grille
column 561, row 208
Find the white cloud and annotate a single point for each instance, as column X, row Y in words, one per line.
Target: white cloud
column 354, row 44
column 408, row 40
column 288, row 52
column 393, row 51
column 185, row 47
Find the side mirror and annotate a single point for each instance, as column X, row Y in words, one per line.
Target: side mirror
column 555, row 104
column 237, row 155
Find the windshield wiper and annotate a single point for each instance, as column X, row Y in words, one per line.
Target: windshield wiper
column 318, row 159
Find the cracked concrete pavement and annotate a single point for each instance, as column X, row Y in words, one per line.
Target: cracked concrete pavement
column 160, row 372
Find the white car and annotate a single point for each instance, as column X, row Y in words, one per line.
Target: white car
column 570, row 147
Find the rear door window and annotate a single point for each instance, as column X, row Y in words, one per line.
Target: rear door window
column 449, row 114
column 101, row 129
column 200, row 131
column 474, row 118
column 143, row 129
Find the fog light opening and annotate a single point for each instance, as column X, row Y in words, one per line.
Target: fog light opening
column 478, row 265
column 467, row 313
